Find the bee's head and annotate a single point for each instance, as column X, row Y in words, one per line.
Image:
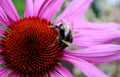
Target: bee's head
column 62, row 27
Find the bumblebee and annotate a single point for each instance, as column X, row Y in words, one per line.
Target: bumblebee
column 64, row 35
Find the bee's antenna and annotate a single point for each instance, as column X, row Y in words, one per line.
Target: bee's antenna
column 53, row 26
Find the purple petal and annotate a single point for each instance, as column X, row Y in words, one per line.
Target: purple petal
column 90, row 33
column 3, row 72
column 44, row 5
column 3, row 18
column 52, row 8
column 87, row 38
column 13, row 74
column 88, row 69
column 63, row 71
column 54, row 74
column 9, row 9
column 37, row 5
column 29, row 8
column 1, row 61
column 98, row 54
column 76, row 8
column 79, row 25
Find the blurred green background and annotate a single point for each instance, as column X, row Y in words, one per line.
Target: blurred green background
column 20, row 6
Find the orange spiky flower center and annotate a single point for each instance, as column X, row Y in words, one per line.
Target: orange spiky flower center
column 30, row 46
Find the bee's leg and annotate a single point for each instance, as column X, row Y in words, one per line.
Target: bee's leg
column 67, row 43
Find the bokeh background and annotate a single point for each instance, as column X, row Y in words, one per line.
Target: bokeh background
column 99, row 11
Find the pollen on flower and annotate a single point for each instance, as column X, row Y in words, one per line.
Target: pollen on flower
column 30, row 46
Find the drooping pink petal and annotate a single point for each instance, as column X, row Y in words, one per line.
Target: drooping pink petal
column 52, row 8
column 37, row 5
column 1, row 31
column 29, row 8
column 1, row 61
column 97, row 54
column 87, row 38
column 3, row 18
column 79, row 25
column 54, row 74
column 13, row 74
column 88, row 69
column 9, row 9
column 44, row 5
column 63, row 71
column 3, row 72
column 76, row 8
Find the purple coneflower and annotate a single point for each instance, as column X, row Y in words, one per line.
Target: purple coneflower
column 30, row 47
